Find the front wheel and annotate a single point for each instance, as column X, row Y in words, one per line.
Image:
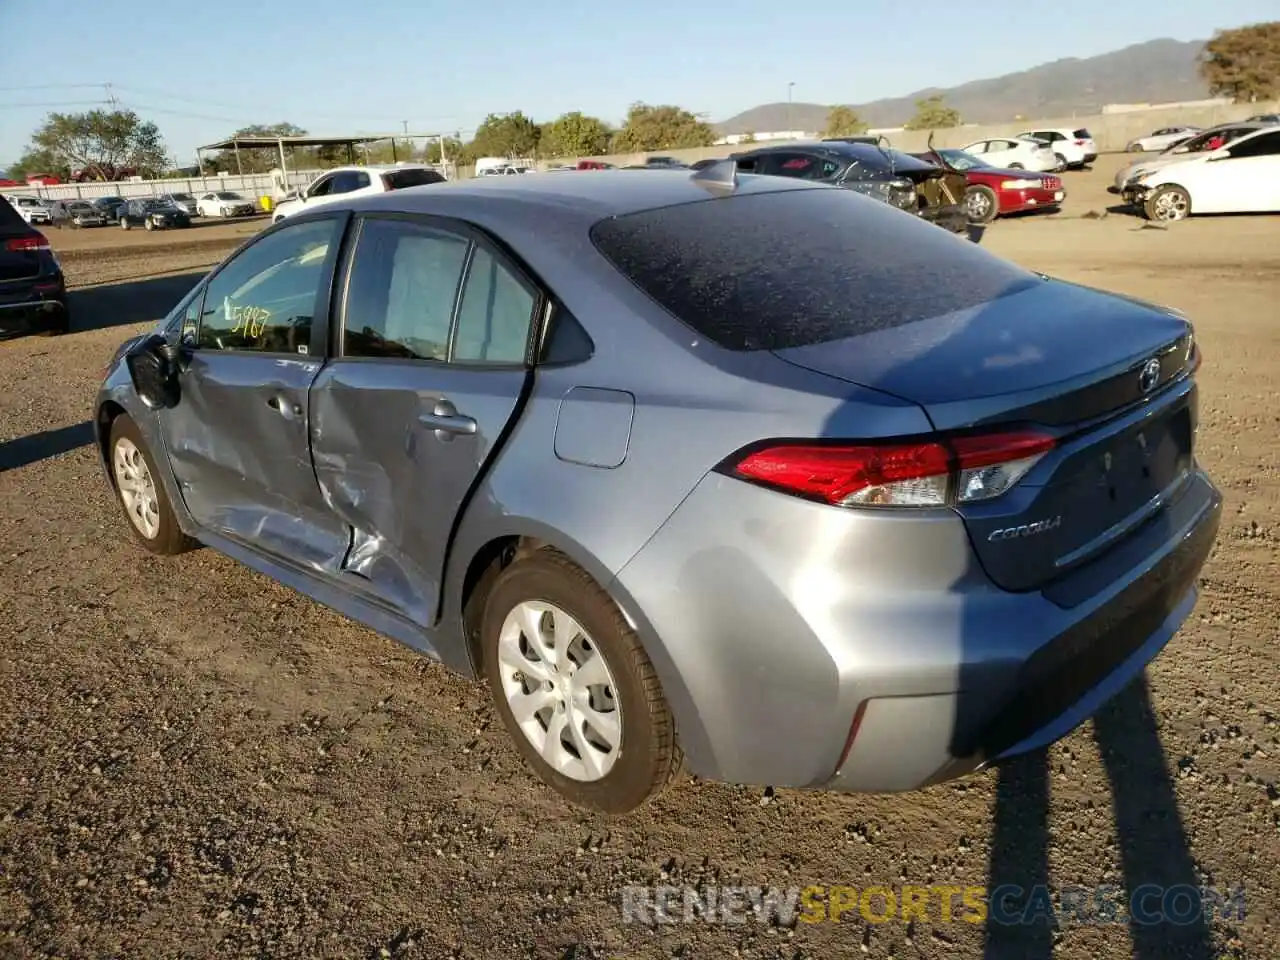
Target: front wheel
column 141, row 493
column 575, row 689
column 1168, row 205
column 150, row 224
column 124, row 224
column 1015, row 166
column 981, row 204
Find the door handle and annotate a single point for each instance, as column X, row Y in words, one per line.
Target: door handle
column 445, row 420
column 283, row 407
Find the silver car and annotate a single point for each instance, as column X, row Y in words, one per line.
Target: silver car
column 756, row 473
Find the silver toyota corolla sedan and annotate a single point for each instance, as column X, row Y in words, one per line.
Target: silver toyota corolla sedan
column 755, row 474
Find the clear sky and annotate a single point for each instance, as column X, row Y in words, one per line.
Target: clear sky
column 348, row 66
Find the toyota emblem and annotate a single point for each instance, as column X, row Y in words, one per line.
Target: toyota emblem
column 1150, row 376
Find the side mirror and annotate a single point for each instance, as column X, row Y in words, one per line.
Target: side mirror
column 153, row 368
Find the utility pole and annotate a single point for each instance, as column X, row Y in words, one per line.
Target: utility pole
column 111, row 97
column 405, row 124
column 790, row 84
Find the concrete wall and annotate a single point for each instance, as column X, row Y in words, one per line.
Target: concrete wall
column 1111, row 131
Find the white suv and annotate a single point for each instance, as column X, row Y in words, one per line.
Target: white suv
column 33, row 209
column 346, row 182
column 1075, row 148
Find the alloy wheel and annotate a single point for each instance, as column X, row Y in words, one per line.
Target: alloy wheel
column 137, row 488
column 560, row 690
column 1170, row 206
column 979, row 206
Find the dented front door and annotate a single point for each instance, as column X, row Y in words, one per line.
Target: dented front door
column 430, row 371
column 238, row 437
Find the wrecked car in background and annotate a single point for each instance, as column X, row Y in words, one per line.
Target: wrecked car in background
column 896, row 178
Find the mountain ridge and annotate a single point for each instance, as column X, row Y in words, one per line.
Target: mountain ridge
column 1160, row 70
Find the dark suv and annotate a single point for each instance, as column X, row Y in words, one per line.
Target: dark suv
column 33, row 293
column 897, row 178
column 151, row 213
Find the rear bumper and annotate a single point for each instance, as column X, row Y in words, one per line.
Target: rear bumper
column 33, row 309
column 1016, row 201
column 774, row 622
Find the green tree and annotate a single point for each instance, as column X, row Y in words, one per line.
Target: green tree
column 843, row 122
column 36, row 160
column 575, row 135
column 262, row 160
column 1244, row 64
column 933, row 114
column 748, row 137
column 661, row 128
column 100, row 142
column 453, row 150
column 504, row 135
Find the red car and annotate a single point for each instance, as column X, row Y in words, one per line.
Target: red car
column 993, row 192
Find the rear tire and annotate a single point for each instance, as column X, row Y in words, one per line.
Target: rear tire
column 981, row 204
column 547, row 606
column 148, row 512
column 124, row 224
column 1016, row 166
column 1062, row 162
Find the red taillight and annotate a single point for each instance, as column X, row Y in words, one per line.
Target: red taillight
column 933, row 472
column 37, row 242
column 1081, row 143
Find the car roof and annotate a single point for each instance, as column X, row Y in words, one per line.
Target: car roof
column 580, row 200
column 831, row 148
column 1239, row 124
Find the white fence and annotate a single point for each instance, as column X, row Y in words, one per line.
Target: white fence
column 251, row 185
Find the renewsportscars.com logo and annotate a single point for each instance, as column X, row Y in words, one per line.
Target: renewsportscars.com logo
column 1008, row 904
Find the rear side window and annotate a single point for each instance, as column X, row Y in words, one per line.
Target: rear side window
column 401, row 179
column 1082, row 134
column 792, row 268
column 403, row 286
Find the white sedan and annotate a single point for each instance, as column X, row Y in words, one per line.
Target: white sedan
column 1162, row 139
column 1242, row 177
column 1015, row 153
column 224, row 203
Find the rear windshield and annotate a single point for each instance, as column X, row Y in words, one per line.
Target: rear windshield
column 792, row 268
column 1082, row 134
column 11, row 221
column 400, row 179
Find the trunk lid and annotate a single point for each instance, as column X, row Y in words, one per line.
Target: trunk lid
column 1071, row 360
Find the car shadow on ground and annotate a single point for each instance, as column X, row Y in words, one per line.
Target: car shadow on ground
column 1158, row 874
column 133, row 301
column 43, row 445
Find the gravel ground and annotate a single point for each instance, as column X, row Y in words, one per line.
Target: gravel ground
column 197, row 762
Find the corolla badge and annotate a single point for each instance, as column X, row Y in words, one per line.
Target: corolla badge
column 1025, row 530
column 1149, row 376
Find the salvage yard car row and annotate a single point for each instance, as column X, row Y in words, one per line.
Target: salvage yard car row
column 165, row 210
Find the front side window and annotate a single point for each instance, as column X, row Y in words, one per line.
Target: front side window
column 264, row 300
column 401, row 291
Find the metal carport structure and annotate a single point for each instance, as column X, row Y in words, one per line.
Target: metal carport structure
column 279, row 144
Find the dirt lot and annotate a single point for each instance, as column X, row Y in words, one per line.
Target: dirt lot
column 197, row 762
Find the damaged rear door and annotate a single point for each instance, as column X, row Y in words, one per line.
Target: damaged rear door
column 237, row 438
column 429, row 368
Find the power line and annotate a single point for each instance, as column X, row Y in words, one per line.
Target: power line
column 50, row 86
column 61, row 103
